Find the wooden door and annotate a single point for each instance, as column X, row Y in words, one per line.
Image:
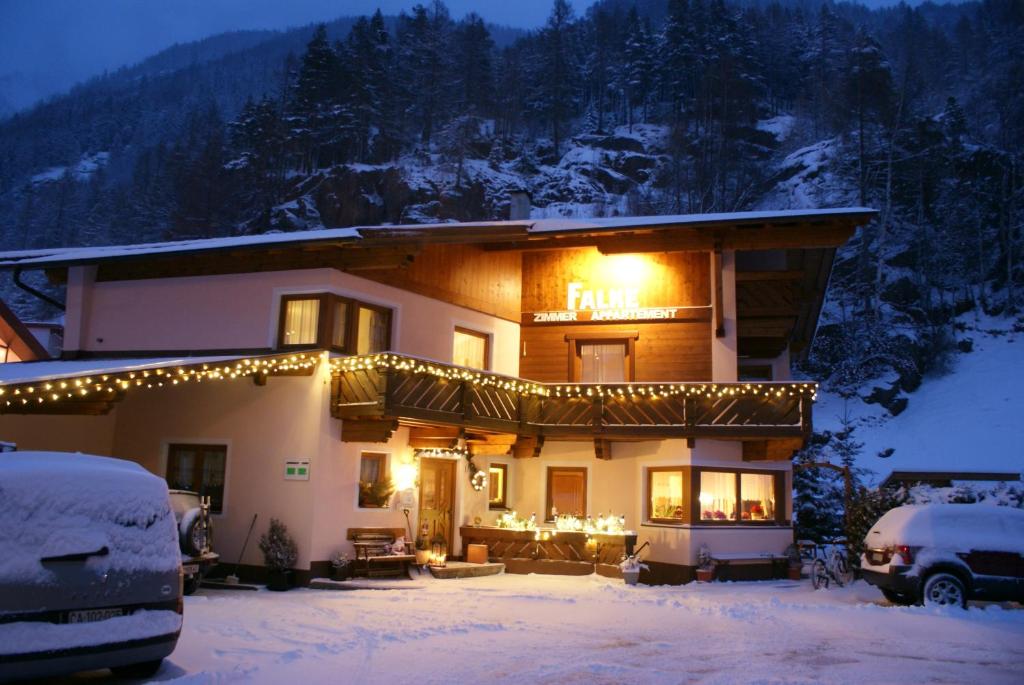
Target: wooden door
column 437, row 498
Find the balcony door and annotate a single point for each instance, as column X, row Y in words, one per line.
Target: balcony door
column 437, row 498
column 594, row 359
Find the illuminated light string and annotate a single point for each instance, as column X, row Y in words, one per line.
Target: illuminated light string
column 105, row 385
column 394, row 362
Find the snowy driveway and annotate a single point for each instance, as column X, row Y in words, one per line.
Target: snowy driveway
column 551, row 629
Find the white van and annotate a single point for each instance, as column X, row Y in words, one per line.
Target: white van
column 90, row 572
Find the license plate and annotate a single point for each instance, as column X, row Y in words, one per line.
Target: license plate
column 93, row 615
column 877, row 557
column 190, row 569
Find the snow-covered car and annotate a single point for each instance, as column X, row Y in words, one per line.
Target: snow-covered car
column 90, row 572
column 195, row 533
column 946, row 554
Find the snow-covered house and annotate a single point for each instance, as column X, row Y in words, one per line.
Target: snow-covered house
column 588, row 385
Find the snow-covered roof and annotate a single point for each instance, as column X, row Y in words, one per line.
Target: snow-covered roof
column 85, row 255
column 35, row 372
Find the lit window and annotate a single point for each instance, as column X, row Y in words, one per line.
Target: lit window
column 567, row 491
column 301, row 321
column 374, row 330
column 758, row 493
column 666, row 495
column 717, row 496
column 602, row 362
column 497, row 484
column 373, row 478
column 199, row 469
column 470, row 349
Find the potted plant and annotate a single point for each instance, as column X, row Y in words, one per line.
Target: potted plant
column 705, row 565
column 279, row 555
column 795, row 567
column 631, row 567
column 422, row 551
column 375, row 493
column 342, row 566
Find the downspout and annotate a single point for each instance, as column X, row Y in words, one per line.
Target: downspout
column 36, row 293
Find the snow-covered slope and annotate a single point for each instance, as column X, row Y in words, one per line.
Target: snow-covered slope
column 970, row 419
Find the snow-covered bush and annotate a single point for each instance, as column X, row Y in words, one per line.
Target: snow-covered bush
column 278, row 547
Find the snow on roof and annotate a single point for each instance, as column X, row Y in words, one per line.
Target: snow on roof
column 85, row 255
column 34, row 372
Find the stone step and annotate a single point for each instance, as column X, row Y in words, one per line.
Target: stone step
column 461, row 569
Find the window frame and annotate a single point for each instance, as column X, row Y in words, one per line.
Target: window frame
column 502, row 505
column 778, row 490
column 578, row 340
column 547, row 490
column 197, row 468
column 383, row 473
column 686, row 495
column 486, row 337
column 325, row 322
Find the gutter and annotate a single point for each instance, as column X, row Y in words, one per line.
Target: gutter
column 36, row 293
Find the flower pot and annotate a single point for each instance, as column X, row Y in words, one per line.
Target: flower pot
column 422, row 557
column 341, row 572
column 705, row 575
column 795, row 572
column 279, row 581
column 631, row 576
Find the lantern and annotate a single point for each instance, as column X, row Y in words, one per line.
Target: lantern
column 438, row 552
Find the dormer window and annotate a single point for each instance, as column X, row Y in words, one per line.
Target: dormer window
column 333, row 322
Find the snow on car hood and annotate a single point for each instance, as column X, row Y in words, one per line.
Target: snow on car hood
column 959, row 527
column 55, row 504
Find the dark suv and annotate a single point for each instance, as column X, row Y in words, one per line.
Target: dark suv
column 195, row 535
column 946, row 554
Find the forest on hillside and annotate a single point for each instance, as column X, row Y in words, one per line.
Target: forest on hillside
column 660, row 107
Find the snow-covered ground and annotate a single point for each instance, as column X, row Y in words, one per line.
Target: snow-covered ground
column 967, row 420
column 552, row 629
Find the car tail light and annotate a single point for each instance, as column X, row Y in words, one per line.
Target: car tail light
column 904, row 552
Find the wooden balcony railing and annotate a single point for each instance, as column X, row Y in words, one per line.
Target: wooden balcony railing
column 395, row 386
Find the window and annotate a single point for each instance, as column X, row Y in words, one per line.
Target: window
column 325, row 320
column 739, row 497
column 596, row 358
column 471, row 349
column 374, row 331
column 567, row 491
column 665, row 495
column 301, row 321
column 717, row 496
column 497, row 484
column 603, row 362
column 758, row 493
column 373, row 479
column 199, row 468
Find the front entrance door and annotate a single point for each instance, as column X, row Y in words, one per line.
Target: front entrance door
column 437, row 498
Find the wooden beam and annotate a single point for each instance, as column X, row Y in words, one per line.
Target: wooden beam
column 771, row 450
column 603, row 449
column 717, row 299
column 528, row 447
column 479, row 449
column 353, row 430
column 762, row 276
column 434, row 437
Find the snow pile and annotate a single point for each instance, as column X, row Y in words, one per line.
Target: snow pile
column 57, row 504
column 86, row 167
column 25, row 637
column 951, row 527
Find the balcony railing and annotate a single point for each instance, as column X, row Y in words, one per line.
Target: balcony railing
column 400, row 387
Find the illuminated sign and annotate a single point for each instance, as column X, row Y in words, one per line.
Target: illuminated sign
column 595, row 305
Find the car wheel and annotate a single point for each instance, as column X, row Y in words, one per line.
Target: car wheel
column 819, row 576
column 140, row 670
column 944, row 589
column 897, row 598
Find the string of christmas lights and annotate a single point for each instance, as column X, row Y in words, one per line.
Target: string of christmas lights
column 105, row 387
column 394, row 362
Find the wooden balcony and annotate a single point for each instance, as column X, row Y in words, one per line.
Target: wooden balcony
column 391, row 388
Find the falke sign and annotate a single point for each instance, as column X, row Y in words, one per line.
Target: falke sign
column 598, row 305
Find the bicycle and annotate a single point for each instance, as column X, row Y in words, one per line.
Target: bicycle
column 828, row 563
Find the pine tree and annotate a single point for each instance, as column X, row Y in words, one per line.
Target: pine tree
column 474, row 74
column 557, row 77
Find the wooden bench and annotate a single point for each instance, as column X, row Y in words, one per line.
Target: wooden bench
column 373, row 557
column 725, row 560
